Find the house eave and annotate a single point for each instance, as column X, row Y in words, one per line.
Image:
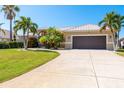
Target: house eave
column 85, row 31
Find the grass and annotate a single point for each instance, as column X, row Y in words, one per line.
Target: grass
column 14, row 63
column 120, row 52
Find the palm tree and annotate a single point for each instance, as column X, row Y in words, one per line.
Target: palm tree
column 109, row 22
column 119, row 23
column 10, row 13
column 27, row 26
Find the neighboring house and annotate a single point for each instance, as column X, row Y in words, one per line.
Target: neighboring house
column 42, row 31
column 86, row 37
column 6, row 36
column 121, row 42
column 21, row 37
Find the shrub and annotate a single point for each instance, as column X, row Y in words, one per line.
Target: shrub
column 13, row 44
column 32, row 42
column 43, row 39
column 4, row 45
column 20, row 45
column 52, row 38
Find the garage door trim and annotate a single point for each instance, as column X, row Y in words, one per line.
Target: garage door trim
column 90, row 35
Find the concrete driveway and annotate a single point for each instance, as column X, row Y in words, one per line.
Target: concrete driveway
column 75, row 68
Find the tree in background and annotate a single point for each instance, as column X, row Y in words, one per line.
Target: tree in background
column 25, row 25
column 10, row 13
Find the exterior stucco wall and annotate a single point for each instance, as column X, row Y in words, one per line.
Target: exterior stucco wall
column 69, row 35
column 110, row 46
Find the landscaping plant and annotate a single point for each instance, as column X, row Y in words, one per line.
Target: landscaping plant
column 11, row 44
column 52, row 38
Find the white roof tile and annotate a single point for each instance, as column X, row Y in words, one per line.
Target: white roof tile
column 87, row 27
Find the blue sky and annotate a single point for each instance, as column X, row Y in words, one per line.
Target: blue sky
column 60, row 16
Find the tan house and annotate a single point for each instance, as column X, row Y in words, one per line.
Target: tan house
column 87, row 37
column 6, row 37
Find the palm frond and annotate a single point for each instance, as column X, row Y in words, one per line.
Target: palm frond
column 1, row 24
column 122, row 17
column 101, row 22
column 103, row 28
column 10, row 11
column 3, row 31
column 25, row 24
column 122, row 25
column 16, row 8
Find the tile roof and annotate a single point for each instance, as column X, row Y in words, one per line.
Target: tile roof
column 81, row 28
column 87, row 27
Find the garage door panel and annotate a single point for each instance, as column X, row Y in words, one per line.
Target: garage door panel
column 89, row 42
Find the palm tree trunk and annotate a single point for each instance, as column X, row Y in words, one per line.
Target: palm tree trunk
column 118, row 39
column 10, row 29
column 24, row 40
column 113, row 39
column 27, row 40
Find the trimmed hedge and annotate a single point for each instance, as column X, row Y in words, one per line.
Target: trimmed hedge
column 5, row 45
column 20, row 44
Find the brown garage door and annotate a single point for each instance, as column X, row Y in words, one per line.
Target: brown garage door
column 89, row 42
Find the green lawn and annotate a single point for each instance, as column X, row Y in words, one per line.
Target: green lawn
column 120, row 52
column 14, row 62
